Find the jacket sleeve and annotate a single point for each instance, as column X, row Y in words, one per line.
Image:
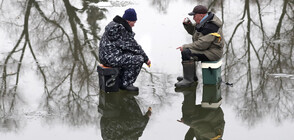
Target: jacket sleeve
column 203, row 43
column 142, row 52
column 130, row 45
column 190, row 28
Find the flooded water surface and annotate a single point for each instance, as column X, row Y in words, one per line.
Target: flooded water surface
column 50, row 89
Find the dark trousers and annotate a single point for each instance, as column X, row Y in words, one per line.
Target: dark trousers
column 129, row 64
column 129, row 74
column 187, row 55
column 130, row 68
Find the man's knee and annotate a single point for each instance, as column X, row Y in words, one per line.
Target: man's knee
column 128, row 60
column 186, row 54
column 200, row 57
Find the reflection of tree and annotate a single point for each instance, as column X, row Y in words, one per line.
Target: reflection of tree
column 1, row 4
column 9, row 124
column 58, row 41
column 161, row 5
column 259, row 57
column 73, row 110
column 155, row 88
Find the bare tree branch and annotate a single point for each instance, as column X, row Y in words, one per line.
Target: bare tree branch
column 278, row 29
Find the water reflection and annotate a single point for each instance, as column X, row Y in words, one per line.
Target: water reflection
column 258, row 60
column 73, row 110
column 121, row 116
column 260, row 93
column 9, row 124
column 257, row 55
column 70, row 92
column 64, row 52
column 204, row 123
column 161, row 5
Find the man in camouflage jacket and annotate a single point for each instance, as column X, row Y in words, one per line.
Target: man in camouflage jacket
column 118, row 48
column 207, row 43
column 129, row 124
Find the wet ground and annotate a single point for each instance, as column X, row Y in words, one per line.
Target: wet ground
column 56, row 99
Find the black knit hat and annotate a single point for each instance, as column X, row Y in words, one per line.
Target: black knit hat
column 130, row 15
column 199, row 9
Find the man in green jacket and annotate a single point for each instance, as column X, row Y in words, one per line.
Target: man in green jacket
column 207, row 43
column 204, row 123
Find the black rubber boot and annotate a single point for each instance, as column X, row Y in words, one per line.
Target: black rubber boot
column 189, row 74
column 180, row 78
column 130, row 88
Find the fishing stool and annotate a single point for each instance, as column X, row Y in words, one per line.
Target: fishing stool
column 211, row 72
column 108, row 78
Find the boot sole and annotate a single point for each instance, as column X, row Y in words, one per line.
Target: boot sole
column 186, row 86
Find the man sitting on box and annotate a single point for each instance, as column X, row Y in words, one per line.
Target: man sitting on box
column 118, row 48
column 207, row 43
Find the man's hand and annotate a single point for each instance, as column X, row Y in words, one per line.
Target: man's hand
column 187, row 21
column 181, row 48
column 149, row 112
column 148, row 63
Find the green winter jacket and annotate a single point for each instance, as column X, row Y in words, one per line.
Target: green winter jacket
column 207, row 37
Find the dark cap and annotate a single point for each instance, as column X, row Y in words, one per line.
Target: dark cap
column 199, row 9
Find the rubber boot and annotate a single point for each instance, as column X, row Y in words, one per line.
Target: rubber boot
column 180, row 78
column 130, row 88
column 188, row 74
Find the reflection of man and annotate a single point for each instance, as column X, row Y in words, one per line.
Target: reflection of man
column 128, row 125
column 207, row 43
column 205, row 123
column 118, row 48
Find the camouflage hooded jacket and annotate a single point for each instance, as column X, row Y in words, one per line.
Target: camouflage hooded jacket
column 118, row 42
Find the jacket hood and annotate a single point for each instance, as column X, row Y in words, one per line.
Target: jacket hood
column 216, row 21
column 122, row 21
column 210, row 18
